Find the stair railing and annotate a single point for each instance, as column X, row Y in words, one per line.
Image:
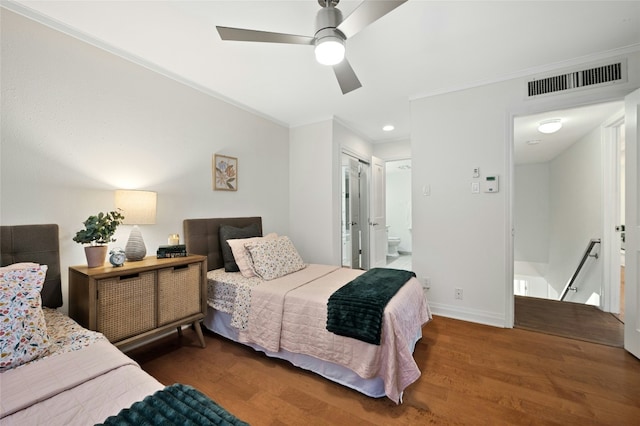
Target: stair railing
column 587, row 254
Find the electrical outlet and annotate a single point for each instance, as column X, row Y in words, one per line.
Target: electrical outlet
column 458, row 293
column 426, row 283
column 476, row 172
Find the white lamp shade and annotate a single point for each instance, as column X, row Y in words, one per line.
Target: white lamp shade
column 329, row 50
column 138, row 207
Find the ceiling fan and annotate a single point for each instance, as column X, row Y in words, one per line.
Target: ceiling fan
column 331, row 33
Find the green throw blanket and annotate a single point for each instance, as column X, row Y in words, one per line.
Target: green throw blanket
column 356, row 310
column 175, row 405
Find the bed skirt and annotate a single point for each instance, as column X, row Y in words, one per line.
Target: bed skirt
column 220, row 323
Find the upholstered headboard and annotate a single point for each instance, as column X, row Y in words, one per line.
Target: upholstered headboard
column 38, row 244
column 202, row 237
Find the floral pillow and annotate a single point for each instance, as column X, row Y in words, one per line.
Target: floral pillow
column 274, row 258
column 23, row 330
column 241, row 254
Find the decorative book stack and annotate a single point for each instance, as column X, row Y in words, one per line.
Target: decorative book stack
column 177, row 250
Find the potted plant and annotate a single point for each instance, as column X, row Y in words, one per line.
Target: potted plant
column 97, row 233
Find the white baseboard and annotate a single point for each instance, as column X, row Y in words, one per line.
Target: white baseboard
column 466, row 314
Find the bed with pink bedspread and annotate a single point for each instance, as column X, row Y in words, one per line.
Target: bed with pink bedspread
column 55, row 372
column 52, row 370
column 285, row 316
column 82, row 379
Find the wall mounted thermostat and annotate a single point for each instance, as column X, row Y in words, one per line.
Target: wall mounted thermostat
column 491, row 184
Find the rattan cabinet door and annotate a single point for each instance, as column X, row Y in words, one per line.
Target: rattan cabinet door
column 126, row 305
column 178, row 292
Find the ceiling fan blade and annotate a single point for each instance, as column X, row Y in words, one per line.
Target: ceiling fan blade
column 367, row 13
column 347, row 78
column 239, row 34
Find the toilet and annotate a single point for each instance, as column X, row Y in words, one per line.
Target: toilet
column 392, row 246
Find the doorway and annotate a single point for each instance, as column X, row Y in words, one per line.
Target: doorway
column 558, row 200
column 398, row 212
column 354, row 217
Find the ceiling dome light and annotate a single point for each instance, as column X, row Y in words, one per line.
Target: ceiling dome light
column 329, row 50
column 550, row 126
column 388, row 128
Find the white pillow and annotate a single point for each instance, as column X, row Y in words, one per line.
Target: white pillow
column 241, row 255
column 274, row 258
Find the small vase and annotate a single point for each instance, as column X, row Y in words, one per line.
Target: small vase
column 135, row 249
column 96, row 255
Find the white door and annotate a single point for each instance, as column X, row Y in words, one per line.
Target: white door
column 378, row 220
column 632, row 228
column 354, row 218
column 613, row 214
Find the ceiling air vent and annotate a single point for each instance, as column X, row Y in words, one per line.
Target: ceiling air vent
column 612, row 73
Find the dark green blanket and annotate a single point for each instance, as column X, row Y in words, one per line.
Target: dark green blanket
column 175, row 405
column 356, row 309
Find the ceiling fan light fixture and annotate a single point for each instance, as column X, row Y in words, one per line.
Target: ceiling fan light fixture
column 550, row 126
column 329, row 50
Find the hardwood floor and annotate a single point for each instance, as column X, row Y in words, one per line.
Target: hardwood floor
column 471, row 375
column 566, row 319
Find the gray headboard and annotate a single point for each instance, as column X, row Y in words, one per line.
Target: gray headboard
column 39, row 244
column 201, row 236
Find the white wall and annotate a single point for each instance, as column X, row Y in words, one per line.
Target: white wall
column 311, row 191
column 531, row 224
column 576, row 216
column 531, row 213
column 346, row 140
column 459, row 237
column 315, row 187
column 78, row 123
column 463, row 240
column 394, row 150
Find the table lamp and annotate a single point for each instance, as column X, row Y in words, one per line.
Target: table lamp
column 138, row 208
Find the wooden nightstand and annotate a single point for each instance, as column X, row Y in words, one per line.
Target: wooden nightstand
column 139, row 299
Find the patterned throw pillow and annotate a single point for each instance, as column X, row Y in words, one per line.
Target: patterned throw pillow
column 23, row 330
column 241, row 254
column 274, row 258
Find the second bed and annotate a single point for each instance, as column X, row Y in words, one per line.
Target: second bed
column 286, row 317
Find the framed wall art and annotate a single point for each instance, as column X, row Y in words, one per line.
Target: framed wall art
column 225, row 173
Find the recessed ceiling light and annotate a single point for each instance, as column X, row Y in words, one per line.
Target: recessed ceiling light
column 550, row 126
column 388, row 128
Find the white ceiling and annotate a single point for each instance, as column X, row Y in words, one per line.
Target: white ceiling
column 576, row 123
column 419, row 49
